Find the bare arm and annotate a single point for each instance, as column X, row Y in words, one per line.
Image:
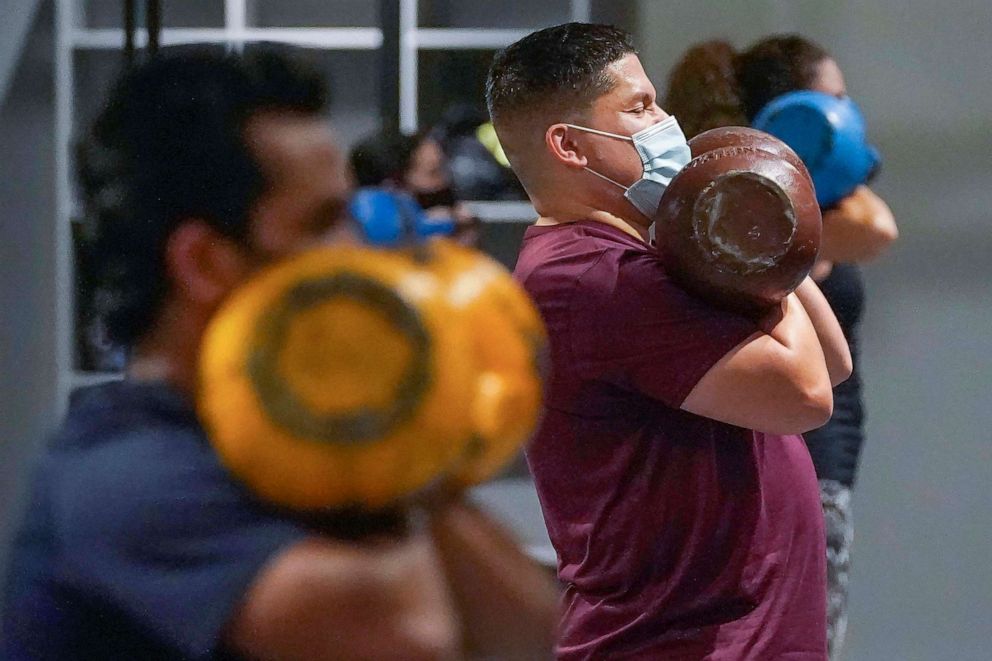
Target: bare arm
column 835, row 350
column 324, row 599
column 859, row 229
column 775, row 381
column 508, row 604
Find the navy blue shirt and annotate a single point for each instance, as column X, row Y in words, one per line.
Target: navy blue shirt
column 836, row 447
column 136, row 542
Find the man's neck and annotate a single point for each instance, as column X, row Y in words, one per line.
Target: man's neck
column 169, row 352
column 634, row 230
column 148, row 367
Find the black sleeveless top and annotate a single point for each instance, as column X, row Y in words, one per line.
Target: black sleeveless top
column 836, row 446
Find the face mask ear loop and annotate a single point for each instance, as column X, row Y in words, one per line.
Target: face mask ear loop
column 598, row 132
column 603, row 176
column 608, row 135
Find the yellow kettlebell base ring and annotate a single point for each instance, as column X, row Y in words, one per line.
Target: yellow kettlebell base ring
column 282, row 404
column 353, row 377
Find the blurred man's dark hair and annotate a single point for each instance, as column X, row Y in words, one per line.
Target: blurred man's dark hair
column 170, row 146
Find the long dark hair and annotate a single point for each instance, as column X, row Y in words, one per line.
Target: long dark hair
column 714, row 85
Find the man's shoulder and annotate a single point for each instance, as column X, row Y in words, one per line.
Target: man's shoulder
column 589, row 256
column 581, row 237
column 128, row 429
column 133, row 511
column 113, row 472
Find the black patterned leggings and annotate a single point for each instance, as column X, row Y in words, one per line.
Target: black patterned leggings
column 836, row 501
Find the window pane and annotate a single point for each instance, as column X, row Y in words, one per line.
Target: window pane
column 175, row 13
column 353, row 79
column 449, row 78
column 354, row 82
column 95, row 71
column 507, row 14
column 313, row 13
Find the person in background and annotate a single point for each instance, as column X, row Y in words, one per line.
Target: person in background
column 201, row 169
column 713, row 85
column 479, row 169
column 416, row 165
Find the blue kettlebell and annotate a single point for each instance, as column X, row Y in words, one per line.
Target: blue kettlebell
column 390, row 218
column 828, row 134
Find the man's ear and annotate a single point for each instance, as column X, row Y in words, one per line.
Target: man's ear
column 203, row 264
column 560, row 141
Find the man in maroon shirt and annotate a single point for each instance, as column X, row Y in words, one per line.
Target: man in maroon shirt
column 676, row 490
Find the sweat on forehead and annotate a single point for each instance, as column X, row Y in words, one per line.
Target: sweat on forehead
column 565, row 66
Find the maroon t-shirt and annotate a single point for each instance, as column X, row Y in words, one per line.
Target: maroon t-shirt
column 678, row 537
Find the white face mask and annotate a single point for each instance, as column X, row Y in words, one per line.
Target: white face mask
column 664, row 151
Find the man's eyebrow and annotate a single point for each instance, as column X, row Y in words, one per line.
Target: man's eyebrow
column 639, row 95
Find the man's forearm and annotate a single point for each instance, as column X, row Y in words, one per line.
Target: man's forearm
column 859, row 229
column 507, row 603
column 835, row 349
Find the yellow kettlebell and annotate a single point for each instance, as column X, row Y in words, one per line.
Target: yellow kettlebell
column 340, row 377
column 509, row 348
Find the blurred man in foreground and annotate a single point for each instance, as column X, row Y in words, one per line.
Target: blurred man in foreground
column 137, row 543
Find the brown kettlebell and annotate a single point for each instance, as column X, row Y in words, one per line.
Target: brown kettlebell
column 739, row 225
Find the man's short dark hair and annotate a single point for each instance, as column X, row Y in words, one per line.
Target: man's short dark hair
column 558, row 67
column 169, row 145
